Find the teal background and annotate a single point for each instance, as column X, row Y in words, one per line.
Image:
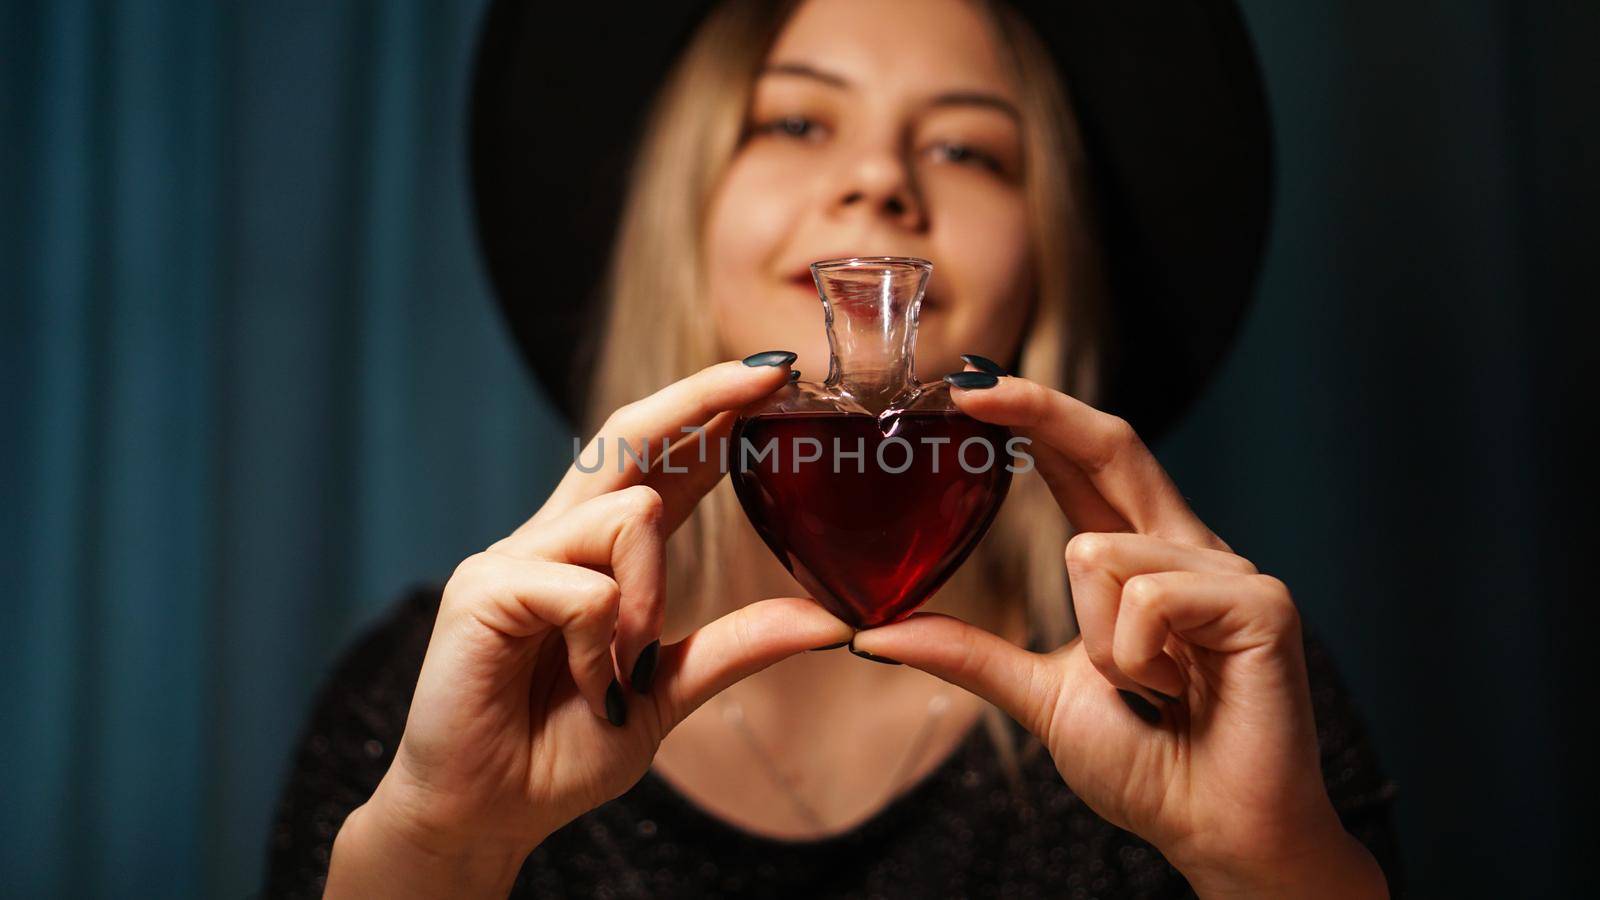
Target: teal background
column 254, row 386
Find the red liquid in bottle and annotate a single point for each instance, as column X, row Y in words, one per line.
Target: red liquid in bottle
column 869, row 542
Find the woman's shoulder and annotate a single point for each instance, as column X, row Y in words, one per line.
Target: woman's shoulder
column 348, row 740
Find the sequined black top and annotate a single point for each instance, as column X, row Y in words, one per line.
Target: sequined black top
column 966, row 830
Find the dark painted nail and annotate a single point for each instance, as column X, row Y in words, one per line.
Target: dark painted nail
column 971, row 381
column 984, row 364
column 1141, row 707
column 1166, row 697
column 794, row 374
column 644, row 668
column 770, row 358
column 877, row 659
column 828, row 647
column 616, row 706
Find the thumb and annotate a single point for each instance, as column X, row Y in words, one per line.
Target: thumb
column 737, row 646
column 1021, row 683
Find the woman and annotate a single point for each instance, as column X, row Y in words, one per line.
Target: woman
column 599, row 711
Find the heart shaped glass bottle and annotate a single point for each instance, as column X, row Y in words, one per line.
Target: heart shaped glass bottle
column 870, row 488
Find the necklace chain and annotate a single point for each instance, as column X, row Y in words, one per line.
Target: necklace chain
column 733, row 714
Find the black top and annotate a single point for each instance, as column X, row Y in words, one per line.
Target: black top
column 965, row 830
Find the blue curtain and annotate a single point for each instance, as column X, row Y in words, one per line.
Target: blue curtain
column 254, row 386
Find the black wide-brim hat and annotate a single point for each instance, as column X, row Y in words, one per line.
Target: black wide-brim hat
column 1170, row 103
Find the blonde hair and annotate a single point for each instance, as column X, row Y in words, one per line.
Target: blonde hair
column 658, row 330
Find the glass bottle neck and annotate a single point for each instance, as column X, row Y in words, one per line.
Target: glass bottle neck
column 871, row 304
column 873, row 345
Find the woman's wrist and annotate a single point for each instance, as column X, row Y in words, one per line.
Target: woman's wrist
column 374, row 855
column 1334, row 865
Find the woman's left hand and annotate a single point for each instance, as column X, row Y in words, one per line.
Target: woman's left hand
column 1222, row 774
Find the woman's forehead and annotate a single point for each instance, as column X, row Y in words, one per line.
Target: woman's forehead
column 917, row 45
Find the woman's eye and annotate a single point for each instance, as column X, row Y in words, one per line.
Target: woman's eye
column 790, row 126
column 965, row 155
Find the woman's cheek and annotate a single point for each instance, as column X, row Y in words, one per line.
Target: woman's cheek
column 751, row 217
column 983, row 248
column 734, row 243
column 983, row 234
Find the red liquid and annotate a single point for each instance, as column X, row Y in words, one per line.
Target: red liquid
column 871, row 545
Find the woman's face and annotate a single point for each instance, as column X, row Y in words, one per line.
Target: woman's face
column 878, row 128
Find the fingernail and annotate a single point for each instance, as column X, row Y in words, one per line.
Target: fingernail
column 616, row 706
column 770, row 358
column 794, row 374
column 1141, row 707
column 984, row 364
column 644, row 668
column 877, row 659
column 828, row 647
column 971, row 381
column 1166, row 697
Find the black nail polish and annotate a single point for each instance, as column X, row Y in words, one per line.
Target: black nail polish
column 877, row 659
column 971, row 381
column 828, row 647
column 616, row 706
column 644, row 668
column 984, row 364
column 1140, row 706
column 1166, row 697
column 794, row 374
column 770, row 358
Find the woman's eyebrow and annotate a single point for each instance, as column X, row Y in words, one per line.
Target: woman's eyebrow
column 949, row 98
column 806, row 70
column 977, row 98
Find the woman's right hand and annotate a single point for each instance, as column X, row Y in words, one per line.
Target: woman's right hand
column 538, row 699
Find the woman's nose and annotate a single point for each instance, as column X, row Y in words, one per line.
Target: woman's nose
column 880, row 184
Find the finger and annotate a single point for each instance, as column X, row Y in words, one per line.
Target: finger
column 661, row 417
column 701, row 456
column 1225, row 612
column 737, row 646
column 521, row 598
column 1098, row 566
column 1079, row 499
column 622, row 532
column 1077, row 496
column 1105, row 447
column 1096, row 594
column 1017, row 681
